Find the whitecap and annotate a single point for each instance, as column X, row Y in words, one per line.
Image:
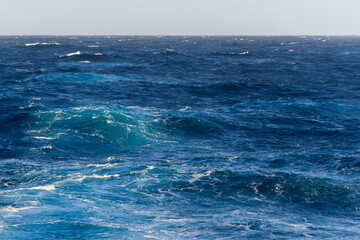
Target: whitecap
column 150, row 168
column 149, row 236
column 71, row 54
column 32, row 44
column 46, row 147
column 30, row 106
column 105, row 165
column 170, row 50
column 93, row 46
column 41, row 44
column 96, row 176
column 45, row 188
column 50, row 187
column 110, row 158
column 177, row 220
column 184, row 109
column 43, row 138
column 197, row 176
column 297, row 226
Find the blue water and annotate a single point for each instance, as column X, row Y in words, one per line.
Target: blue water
column 126, row 137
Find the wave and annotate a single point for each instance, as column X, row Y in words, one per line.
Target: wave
column 231, row 53
column 15, row 209
column 42, row 44
column 84, row 57
column 114, row 128
column 78, row 77
column 301, row 108
column 71, row 54
column 171, row 51
column 84, row 130
column 80, row 54
column 305, row 192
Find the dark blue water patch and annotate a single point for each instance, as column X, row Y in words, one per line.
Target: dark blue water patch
column 144, row 137
column 77, row 77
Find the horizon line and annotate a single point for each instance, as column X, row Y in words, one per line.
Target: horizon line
column 187, row 35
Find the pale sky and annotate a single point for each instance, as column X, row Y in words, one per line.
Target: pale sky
column 180, row 17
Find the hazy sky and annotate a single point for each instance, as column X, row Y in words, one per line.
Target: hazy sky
column 184, row 17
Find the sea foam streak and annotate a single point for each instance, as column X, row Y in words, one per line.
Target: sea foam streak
column 71, row 54
column 42, row 44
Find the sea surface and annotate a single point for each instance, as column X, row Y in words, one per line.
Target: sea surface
column 123, row 137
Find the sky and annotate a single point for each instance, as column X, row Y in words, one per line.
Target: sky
column 179, row 17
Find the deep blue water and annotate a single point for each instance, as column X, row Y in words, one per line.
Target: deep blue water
column 126, row 137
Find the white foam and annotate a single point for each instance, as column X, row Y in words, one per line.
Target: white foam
column 30, row 106
column 93, row 46
column 42, row 44
column 149, row 236
column 32, row 44
column 50, row 187
column 184, row 109
column 177, row 220
column 106, row 176
column 45, row 188
column 44, row 138
column 106, row 165
column 46, row 147
column 85, row 61
column 71, row 54
column 244, row 53
column 170, row 50
column 197, row 176
column 297, row 226
column 13, row 209
column 98, row 54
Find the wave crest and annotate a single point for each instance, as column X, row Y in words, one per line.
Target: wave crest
column 114, row 128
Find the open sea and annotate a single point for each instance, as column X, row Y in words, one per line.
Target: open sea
column 123, row 137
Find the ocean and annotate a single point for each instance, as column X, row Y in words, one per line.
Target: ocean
column 187, row 137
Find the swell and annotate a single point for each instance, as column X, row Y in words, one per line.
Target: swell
column 301, row 191
column 80, row 131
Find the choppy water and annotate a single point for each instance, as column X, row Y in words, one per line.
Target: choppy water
column 179, row 137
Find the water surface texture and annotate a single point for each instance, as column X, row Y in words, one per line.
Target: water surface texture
column 126, row 137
